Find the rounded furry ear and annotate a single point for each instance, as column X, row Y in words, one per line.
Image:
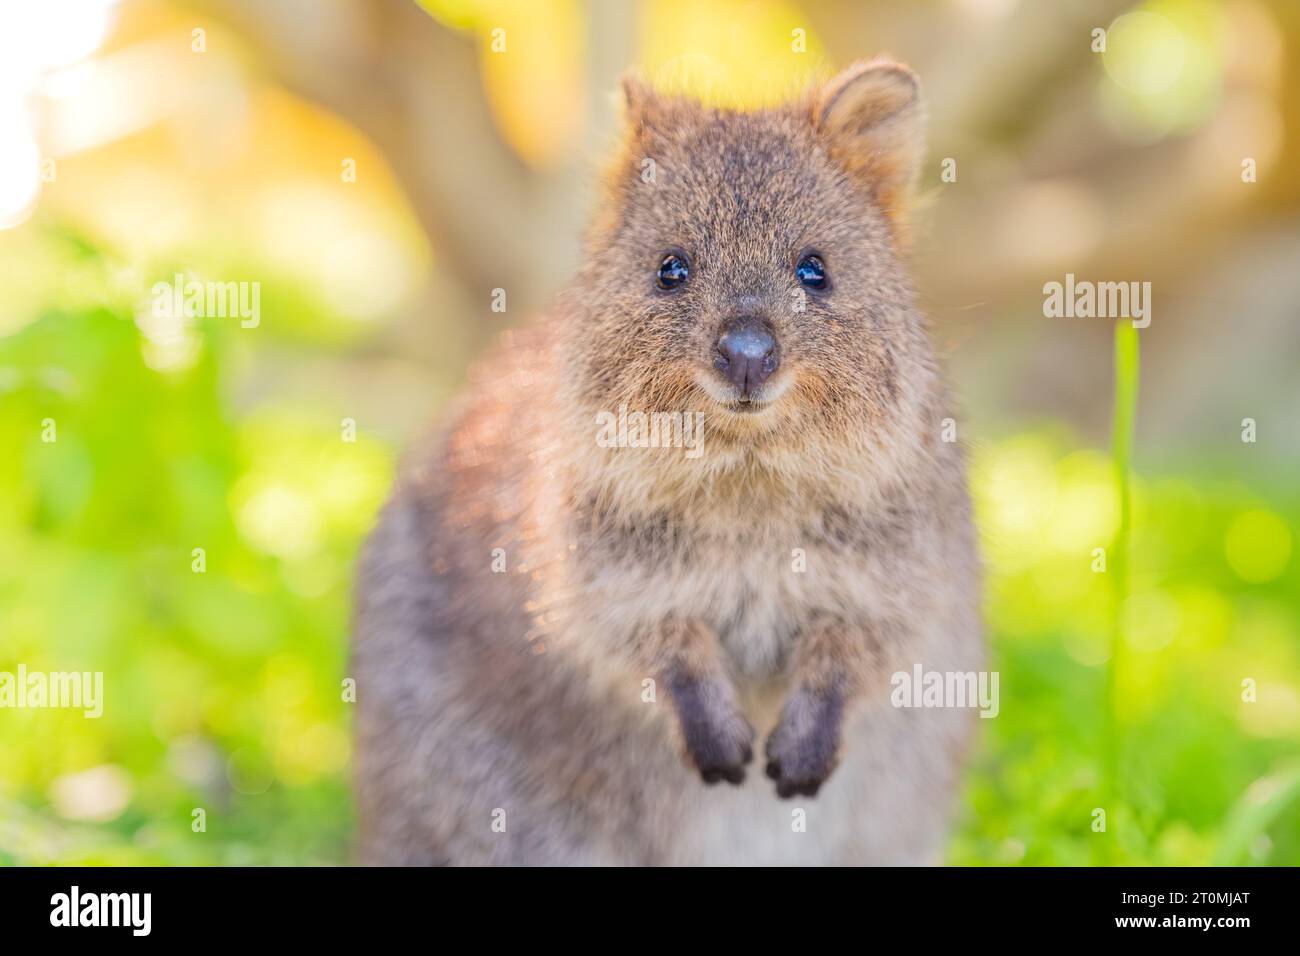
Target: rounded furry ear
column 640, row 101
column 635, row 90
column 873, row 119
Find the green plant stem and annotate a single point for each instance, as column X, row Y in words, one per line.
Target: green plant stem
column 1124, row 414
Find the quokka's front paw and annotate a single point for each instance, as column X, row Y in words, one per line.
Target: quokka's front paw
column 803, row 749
column 719, row 740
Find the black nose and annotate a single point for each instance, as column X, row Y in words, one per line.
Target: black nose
column 746, row 355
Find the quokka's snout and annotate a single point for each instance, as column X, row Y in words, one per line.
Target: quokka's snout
column 747, row 355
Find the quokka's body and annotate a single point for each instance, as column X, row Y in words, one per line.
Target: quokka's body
column 560, row 644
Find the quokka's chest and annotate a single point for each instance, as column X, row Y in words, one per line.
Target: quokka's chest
column 757, row 588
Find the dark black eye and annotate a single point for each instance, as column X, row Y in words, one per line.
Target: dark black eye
column 673, row 271
column 811, row 272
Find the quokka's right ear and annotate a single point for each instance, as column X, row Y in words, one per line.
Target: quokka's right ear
column 642, row 106
column 873, row 121
column 635, row 91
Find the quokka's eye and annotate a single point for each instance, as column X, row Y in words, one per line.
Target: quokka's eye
column 811, row 272
column 673, row 271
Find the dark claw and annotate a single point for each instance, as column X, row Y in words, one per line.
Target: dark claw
column 786, row 790
column 733, row 775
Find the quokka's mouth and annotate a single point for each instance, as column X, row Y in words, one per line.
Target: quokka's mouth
column 744, row 407
column 726, row 396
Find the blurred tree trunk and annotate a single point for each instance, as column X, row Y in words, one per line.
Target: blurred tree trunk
column 413, row 87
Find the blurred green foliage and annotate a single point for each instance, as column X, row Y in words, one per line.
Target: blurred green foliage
column 223, row 688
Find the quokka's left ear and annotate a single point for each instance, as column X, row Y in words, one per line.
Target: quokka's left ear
column 873, row 120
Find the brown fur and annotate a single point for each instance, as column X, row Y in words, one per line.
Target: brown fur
column 525, row 691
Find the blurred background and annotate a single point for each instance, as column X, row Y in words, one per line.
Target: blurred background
column 378, row 167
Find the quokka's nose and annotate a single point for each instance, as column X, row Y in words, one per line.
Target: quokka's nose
column 746, row 355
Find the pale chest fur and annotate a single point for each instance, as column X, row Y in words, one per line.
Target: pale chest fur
column 755, row 584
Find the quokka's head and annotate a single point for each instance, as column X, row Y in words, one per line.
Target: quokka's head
column 748, row 264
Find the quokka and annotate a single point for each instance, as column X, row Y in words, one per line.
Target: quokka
column 561, row 645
